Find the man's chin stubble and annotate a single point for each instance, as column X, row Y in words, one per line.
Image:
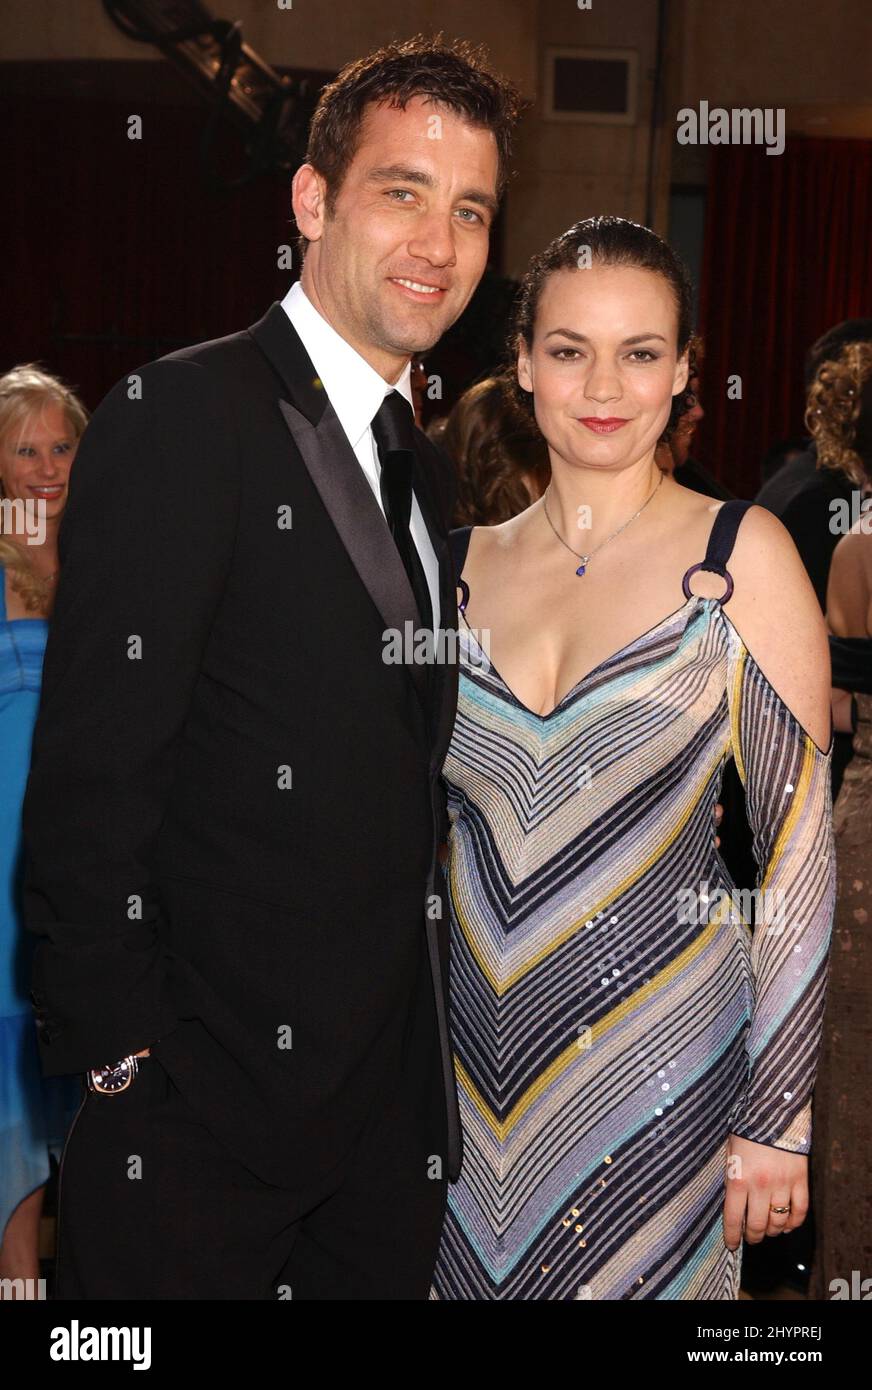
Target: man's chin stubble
column 408, row 345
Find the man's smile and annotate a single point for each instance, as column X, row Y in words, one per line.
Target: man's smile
column 419, row 290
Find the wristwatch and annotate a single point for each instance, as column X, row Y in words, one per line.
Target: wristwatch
column 114, row 1077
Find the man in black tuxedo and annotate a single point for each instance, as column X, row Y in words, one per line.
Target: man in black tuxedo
column 234, row 806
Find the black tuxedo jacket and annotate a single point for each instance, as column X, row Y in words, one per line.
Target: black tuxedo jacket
column 235, row 801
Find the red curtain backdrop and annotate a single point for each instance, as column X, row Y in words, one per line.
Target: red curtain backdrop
column 787, row 254
column 116, row 251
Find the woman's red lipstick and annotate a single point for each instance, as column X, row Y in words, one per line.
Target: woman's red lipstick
column 599, row 426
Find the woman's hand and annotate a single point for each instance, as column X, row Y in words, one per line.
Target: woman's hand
column 759, row 1177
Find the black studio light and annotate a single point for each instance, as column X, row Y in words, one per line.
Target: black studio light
column 270, row 111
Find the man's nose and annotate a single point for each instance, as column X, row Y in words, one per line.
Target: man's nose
column 434, row 239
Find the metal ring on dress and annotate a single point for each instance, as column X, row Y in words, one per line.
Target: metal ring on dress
column 715, row 569
column 464, row 587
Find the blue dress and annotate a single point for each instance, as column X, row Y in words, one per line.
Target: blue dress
column 35, row 1111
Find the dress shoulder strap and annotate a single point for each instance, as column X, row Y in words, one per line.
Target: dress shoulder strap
column 458, row 539
column 720, row 546
column 459, row 542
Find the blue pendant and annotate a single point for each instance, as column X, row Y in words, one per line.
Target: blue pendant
column 581, row 569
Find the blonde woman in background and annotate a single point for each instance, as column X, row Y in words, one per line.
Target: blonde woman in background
column 41, row 422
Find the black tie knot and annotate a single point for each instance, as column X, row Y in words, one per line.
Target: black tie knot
column 394, row 425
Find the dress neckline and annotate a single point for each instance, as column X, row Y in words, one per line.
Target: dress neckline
column 594, row 670
column 701, row 599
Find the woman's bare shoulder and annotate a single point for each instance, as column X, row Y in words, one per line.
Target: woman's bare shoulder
column 693, row 511
column 776, row 613
column 765, row 560
column 504, row 535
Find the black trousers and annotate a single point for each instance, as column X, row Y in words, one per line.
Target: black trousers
column 152, row 1207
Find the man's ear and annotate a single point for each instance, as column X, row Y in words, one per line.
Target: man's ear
column 308, row 195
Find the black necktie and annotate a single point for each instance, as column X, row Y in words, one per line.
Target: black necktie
column 394, row 430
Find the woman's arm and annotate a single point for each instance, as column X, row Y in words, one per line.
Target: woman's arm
column 779, row 694
column 776, row 612
column 779, row 698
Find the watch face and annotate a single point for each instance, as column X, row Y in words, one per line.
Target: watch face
column 113, row 1078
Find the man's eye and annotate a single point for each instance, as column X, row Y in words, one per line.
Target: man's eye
column 472, row 212
column 405, row 191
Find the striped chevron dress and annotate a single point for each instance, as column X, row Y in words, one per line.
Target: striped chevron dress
column 614, row 1016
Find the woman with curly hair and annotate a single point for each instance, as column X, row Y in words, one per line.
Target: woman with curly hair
column 41, row 422
column 635, row 1067
column 839, row 417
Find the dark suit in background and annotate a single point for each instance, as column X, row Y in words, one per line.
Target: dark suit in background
column 801, row 496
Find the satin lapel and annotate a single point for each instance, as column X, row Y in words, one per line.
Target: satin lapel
column 359, row 521
column 348, row 498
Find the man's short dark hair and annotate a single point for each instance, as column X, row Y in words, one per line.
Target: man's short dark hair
column 455, row 75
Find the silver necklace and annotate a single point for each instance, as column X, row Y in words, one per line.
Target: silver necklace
column 585, row 558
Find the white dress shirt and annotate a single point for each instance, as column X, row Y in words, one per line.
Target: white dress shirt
column 356, row 391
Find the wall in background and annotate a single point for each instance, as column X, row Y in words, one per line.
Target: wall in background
column 312, row 34
column 568, row 170
column 779, row 53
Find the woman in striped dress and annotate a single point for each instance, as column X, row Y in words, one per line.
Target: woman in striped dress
column 635, row 1065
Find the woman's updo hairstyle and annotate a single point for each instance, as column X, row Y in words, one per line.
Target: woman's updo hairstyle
column 605, row 241
column 839, row 413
